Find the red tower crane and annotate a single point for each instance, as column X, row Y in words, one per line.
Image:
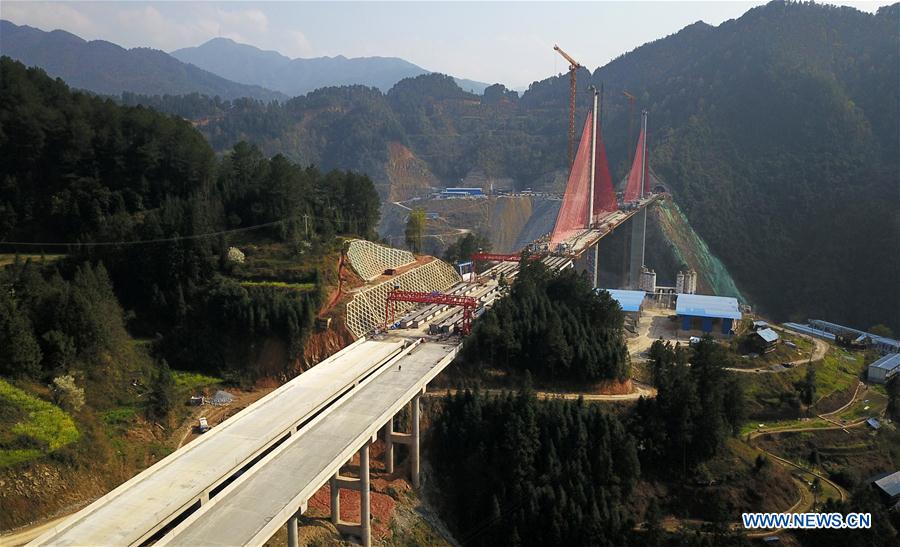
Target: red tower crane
column 467, row 303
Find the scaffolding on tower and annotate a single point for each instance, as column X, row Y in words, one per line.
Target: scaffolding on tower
column 638, row 185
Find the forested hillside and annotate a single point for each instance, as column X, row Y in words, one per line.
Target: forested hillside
column 776, row 133
column 553, row 327
column 104, row 178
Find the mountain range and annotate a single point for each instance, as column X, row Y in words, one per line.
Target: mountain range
column 776, row 134
column 218, row 67
column 105, row 68
column 250, row 65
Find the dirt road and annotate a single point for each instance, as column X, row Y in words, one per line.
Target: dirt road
column 821, row 347
column 640, row 390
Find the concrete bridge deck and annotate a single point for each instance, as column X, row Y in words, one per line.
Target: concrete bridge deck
column 250, row 511
column 140, row 507
column 604, row 225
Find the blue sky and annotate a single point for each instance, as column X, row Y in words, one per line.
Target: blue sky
column 507, row 42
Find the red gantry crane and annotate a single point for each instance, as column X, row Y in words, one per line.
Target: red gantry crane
column 467, row 303
column 573, row 68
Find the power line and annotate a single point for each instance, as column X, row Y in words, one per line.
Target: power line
column 162, row 239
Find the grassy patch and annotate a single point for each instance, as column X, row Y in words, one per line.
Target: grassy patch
column 7, row 259
column 41, row 429
column 187, row 381
column 767, row 394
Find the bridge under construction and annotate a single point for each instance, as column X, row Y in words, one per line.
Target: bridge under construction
column 256, row 472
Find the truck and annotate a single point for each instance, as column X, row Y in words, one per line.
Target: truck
column 203, row 426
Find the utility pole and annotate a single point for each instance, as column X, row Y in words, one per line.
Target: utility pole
column 306, row 225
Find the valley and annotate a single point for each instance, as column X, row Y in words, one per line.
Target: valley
column 326, row 296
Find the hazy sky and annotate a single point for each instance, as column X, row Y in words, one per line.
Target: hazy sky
column 507, row 42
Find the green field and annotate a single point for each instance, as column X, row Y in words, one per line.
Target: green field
column 838, row 372
column 31, row 428
column 188, row 381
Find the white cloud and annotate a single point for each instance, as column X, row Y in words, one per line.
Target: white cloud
column 252, row 19
column 50, row 16
column 298, row 45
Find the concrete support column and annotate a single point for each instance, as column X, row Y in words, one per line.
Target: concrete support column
column 638, row 240
column 365, row 520
column 597, row 265
column 389, row 446
column 292, row 532
column 414, row 449
column 335, row 499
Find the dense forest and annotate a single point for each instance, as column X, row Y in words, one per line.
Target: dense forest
column 144, row 195
column 774, row 131
column 552, row 326
column 699, row 404
column 515, row 470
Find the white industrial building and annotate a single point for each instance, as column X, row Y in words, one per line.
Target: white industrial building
column 881, row 370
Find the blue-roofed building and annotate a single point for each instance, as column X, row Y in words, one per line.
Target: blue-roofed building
column 459, row 192
column 701, row 312
column 764, row 340
column 632, row 302
column 883, row 369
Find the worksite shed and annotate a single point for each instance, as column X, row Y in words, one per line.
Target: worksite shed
column 881, row 370
column 632, row 302
column 764, row 340
column 704, row 309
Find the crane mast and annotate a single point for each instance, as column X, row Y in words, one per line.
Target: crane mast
column 573, row 68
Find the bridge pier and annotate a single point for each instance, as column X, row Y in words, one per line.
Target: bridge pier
column 363, row 530
column 389, row 446
column 414, row 453
column 638, row 242
column 292, row 532
column 412, row 440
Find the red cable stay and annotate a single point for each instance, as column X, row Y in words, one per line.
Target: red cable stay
column 467, row 303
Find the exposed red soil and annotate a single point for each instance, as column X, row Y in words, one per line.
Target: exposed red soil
column 614, row 387
column 385, row 489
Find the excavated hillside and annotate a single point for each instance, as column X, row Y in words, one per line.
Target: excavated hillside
column 509, row 222
column 407, row 175
column 691, row 250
